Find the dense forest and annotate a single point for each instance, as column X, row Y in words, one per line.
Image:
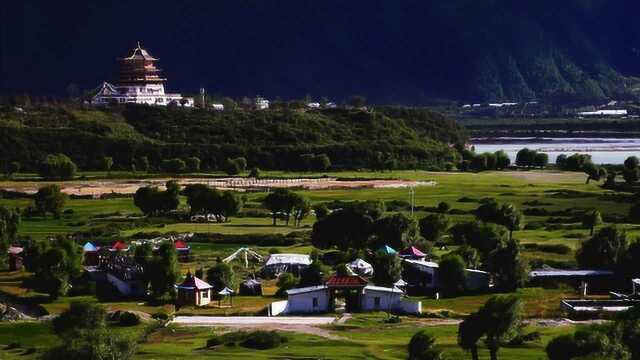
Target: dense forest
column 404, row 52
column 384, row 138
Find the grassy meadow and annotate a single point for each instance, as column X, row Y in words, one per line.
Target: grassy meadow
column 365, row 336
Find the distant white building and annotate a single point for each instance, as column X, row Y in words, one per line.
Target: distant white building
column 217, row 107
column 604, row 113
column 261, row 103
column 313, row 105
column 138, row 82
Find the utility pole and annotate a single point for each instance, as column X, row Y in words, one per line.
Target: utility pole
column 412, row 192
column 204, row 106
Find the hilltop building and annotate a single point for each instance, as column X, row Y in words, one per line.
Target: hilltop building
column 138, row 81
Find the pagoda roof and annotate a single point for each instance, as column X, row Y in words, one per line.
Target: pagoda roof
column 191, row 282
column 413, row 251
column 349, row 281
column 140, row 54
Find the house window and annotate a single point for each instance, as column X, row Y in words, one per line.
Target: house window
column 376, row 301
column 205, row 294
column 315, row 302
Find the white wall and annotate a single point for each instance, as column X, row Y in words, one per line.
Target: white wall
column 411, row 307
column 278, row 307
column 388, row 301
column 303, row 303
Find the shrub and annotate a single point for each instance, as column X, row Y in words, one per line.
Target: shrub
column 213, row 342
column 263, row 340
column 128, row 319
column 13, row 345
column 160, row 316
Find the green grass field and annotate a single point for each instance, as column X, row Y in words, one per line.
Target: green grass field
column 364, row 337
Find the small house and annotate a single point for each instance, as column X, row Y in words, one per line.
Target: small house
column 361, row 267
column 16, row 254
column 420, row 275
column 183, row 250
column 281, row 263
column 377, row 298
column 90, row 254
column 193, row 292
column 307, row 300
column 595, row 280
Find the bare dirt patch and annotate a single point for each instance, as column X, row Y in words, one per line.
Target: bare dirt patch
column 96, row 188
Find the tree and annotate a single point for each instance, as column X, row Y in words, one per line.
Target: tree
column 387, row 269
column 631, row 162
column 13, row 168
column 511, row 218
column 82, row 329
column 421, row 347
column 433, row 226
column 502, row 160
column 561, row 161
column 9, row 223
column 470, row 331
column 594, row 172
column 357, row 101
column 540, row 160
column 508, row 268
column 221, row 275
column 254, row 173
column 321, row 162
column 280, row 202
column 312, row 275
column 605, row 249
column 286, row 282
column 173, row 166
column 192, row 164
column 501, row 318
column 525, row 157
column 79, row 316
column 151, row 201
column 562, row 347
column 231, row 204
column 142, row 163
column 443, row 207
column 451, row 275
column 634, row 213
column 470, row 256
column 347, row 228
column 483, row 237
column 631, row 176
column 162, row 273
column 591, row 219
column 321, row 211
column 57, row 167
column 489, row 212
column 49, row 199
column 301, row 209
column 106, row 163
column 54, row 264
column 397, row 230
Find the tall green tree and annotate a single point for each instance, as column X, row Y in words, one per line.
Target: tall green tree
column 508, row 267
column 605, row 249
column 470, row 331
column 387, row 269
column 397, row 230
column 49, row 199
column 162, row 273
column 591, row 219
column 451, row 275
column 501, row 318
column 9, row 223
column 433, row 227
column 57, row 167
column 221, row 275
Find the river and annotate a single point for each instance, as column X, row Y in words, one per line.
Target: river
column 602, row 150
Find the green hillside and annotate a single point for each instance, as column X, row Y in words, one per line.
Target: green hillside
column 268, row 139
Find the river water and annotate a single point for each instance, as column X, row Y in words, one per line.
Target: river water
column 602, row 150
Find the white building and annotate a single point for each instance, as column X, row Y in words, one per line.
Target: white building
column 261, row 103
column 604, row 113
column 138, row 82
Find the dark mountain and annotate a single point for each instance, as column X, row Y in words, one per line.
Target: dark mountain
column 404, row 51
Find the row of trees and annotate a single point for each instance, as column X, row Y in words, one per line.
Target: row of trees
column 531, row 158
column 203, row 199
column 286, row 204
column 152, row 201
column 498, row 160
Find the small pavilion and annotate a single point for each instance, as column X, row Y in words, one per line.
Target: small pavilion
column 412, row 253
column 386, row 249
column 90, row 254
column 193, row 292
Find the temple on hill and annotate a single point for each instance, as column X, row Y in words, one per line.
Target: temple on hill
column 138, row 81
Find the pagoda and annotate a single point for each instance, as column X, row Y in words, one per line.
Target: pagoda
column 138, row 81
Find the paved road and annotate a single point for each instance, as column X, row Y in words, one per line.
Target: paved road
column 250, row 320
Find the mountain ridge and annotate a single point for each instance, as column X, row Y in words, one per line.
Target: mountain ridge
column 409, row 52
